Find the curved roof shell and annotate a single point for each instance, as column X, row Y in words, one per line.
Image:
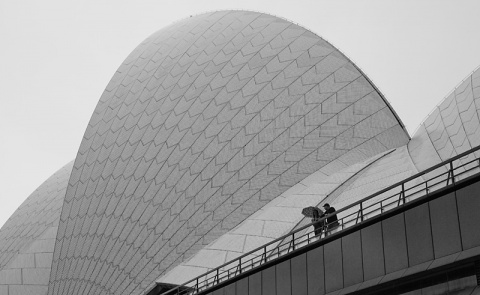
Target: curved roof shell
column 452, row 128
column 27, row 239
column 205, row 122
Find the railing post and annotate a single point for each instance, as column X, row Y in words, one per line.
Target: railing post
column 451, row 170
column 361, row 211
column 265, row 253
column 403, row 192
column 240, row 265
column 293, row 242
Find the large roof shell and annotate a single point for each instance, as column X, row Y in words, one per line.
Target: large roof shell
column 204, row 123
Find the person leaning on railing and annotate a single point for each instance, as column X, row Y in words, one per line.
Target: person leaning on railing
column 332, row 219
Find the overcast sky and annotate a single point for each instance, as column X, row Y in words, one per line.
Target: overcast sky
column 57, row 57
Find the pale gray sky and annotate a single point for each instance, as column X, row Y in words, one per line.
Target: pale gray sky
column 57, row 57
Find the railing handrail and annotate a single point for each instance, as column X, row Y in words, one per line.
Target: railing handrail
column 264, row 246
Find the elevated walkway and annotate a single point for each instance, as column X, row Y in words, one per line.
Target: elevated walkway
column 423, row 232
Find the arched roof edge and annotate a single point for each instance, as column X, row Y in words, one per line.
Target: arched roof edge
column 326, row 40
column 444, row 98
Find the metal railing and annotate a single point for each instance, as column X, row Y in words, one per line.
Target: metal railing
column 439, row 176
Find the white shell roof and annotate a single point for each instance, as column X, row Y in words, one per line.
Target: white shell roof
column 27, row 239
column 452, row 128
column 208, row 120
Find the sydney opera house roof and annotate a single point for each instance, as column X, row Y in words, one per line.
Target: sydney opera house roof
column 207, row 142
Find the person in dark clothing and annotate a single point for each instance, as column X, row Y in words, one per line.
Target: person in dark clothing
column 317, row 225
column 332, row 219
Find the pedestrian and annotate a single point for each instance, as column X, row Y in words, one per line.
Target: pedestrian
column 317, row 224
column 331, row 221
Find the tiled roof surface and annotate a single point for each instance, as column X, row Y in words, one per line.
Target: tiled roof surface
column 205, row 122
column 27, row 239
column 452, row 128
